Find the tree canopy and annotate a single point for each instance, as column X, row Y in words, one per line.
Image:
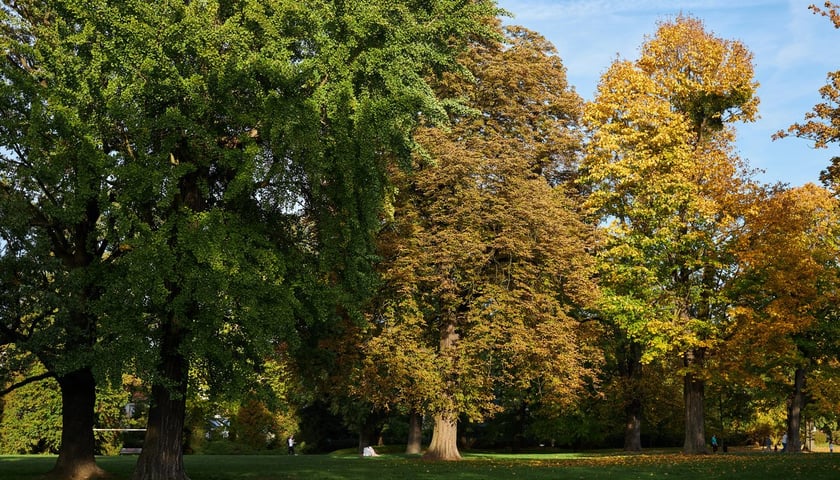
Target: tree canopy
column 670, row 191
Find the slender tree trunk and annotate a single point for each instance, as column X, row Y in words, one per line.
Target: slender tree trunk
column 694, row 396
column 795, row 407
column 633, row 403
column 76, row 458
column 444, row 445
column 162, row 457
column 415, row 433
column 368, row 436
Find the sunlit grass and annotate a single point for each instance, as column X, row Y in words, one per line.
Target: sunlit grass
column 555, row 466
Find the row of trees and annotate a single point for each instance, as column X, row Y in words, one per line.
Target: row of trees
column 405, row 208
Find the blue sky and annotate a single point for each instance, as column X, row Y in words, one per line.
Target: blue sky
column 793, row 51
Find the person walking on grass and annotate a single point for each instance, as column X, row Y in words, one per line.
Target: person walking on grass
column 291, row 442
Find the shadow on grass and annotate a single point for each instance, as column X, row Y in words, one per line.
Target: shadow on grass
column 475, row 466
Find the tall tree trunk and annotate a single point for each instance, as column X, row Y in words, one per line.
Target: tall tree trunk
column 444, row 445
column 162, row 457
column 694, row 396
column 795, row 407
column 415, row 433
column 632, row 371
column 76, row 458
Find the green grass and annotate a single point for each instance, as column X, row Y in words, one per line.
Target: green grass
column 572, row 466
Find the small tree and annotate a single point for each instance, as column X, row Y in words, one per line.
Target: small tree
column 254, row 425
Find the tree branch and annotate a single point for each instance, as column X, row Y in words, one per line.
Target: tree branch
column 36, row 378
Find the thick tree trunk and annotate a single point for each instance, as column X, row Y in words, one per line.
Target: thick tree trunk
column 444, row 444
column 415, row 433
column 162, row 457
column 694, row 396
column 76, row 458
column 795, row 407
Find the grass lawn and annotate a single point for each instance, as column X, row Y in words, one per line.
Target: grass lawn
column 572, row 466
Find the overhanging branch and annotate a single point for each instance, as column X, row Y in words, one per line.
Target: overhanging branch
column 27, row 381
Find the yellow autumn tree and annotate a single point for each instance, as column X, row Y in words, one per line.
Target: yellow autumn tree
column 669, row 193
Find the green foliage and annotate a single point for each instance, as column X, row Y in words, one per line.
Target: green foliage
column 188, row 180
column 31, row 419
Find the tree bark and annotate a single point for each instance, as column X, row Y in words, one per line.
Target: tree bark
column 694, row 396
column 162, row 457
column 415, row 433
column 76, row 459
column 795, row 407
column 444, row 445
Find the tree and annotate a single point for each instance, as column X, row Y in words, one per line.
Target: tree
column 54, row 191
column 484, row 257
column 788, row 293
column 31, row 418
column 323, row 106
column 822, row 128
column 669, row 192
column 206, row 147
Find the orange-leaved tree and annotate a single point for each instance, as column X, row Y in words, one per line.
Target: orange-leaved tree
column 786, row 327
column 485, row 256
column 669, row 193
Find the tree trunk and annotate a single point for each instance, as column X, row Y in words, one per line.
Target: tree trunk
column 795, row 407
column 694, row 396
column 633, row 426
column 368, row 436
column 632, row 371
column 76, row 458
column 415, row 433
column 162, row 457
column 444, row 444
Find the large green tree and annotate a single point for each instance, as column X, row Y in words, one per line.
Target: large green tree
column 180, row 158
column 54, row 174
column 484, row 257
column 670, row 192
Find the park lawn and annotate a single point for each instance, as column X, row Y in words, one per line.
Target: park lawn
column 578, row 466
